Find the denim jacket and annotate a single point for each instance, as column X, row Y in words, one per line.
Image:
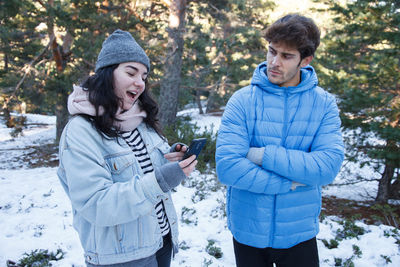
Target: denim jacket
column 112, row 200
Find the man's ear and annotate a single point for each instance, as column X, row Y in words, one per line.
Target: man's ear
column 305, row 61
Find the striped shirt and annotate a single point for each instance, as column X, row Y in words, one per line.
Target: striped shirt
column 135, row 142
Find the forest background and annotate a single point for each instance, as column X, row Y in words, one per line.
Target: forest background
column 202, row 52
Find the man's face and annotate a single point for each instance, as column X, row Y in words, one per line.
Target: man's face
column 284, row 64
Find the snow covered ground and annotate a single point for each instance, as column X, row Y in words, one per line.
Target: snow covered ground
column 36, row 214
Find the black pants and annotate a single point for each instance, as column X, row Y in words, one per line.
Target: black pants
column 164, row 254
column 304, row 254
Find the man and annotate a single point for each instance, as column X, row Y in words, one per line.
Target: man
column 279, row 142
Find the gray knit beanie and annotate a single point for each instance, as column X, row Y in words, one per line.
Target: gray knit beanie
column 121, row 47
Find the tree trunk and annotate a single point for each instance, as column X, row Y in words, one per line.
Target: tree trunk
column 6, row 62
column 395, row 190
column 62, row 114
column 198, row 101
column 211, row 102
column 173, row 65
column 384, row 184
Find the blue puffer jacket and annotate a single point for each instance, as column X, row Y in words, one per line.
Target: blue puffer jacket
column 300, row 130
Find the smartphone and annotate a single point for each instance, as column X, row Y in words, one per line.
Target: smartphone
column 195, row 147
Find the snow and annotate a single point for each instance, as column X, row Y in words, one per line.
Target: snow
column 35, row 212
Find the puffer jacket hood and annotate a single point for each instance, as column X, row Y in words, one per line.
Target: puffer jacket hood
column 308, row 81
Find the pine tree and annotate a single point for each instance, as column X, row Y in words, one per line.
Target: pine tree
column 46, row 46
column 223, row 46
column 361, row 64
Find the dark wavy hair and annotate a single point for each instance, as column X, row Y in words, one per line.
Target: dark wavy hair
column 295, row 31
column 102, row 96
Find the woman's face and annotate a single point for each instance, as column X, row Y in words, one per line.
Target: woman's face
column 129, row 83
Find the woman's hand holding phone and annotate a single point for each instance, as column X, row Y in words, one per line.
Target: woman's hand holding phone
column 180, row 150
column 188, row 165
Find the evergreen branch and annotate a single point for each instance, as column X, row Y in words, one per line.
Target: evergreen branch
column 26, row 69
column 210, row 87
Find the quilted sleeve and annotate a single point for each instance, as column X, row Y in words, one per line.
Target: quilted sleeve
column 233, row 168
column 319, row 166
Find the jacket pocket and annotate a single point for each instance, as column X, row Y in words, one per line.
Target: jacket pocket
column 139, row 233
column 121, row 167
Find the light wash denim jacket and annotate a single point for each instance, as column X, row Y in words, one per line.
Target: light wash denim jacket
column 112, row 200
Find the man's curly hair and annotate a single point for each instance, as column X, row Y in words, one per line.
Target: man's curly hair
column 295, row 31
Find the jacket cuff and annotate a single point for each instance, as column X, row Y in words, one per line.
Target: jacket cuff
column 169, row 176
column 256, row 155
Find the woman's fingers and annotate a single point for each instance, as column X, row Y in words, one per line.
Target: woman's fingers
column 188, row 170
column 174, row 156
column 188, row 165
column 181, row 148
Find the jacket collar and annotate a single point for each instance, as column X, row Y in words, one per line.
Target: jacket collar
column 308, row 80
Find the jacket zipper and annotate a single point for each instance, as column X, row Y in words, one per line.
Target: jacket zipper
column 271, row 239
column 285, row 119
column 284, row 135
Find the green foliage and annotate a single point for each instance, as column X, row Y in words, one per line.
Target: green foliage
column 220, row 210
column 188, row 216
column 361, row 65
column 185, row 131
column 387, row 259
column 357, row 251
column 183, row 245
column 223, row 45
column 347, row 263
column 350, row 230
column 393, row 233
column 24, row 37
column 40, row 258
column 333, row 243
column 207, row 262
column 386, row 214
column 213, row 250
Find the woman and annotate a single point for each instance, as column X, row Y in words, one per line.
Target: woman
column 116, row 167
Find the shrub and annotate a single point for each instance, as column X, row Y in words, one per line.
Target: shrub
column 38, row 258
column 213, row 250
column 333, row 243
column 350, row 230
column 188, row 216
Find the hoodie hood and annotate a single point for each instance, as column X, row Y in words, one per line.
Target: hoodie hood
column 308, row 80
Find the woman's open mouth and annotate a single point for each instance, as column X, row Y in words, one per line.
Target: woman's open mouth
column 131, row 94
